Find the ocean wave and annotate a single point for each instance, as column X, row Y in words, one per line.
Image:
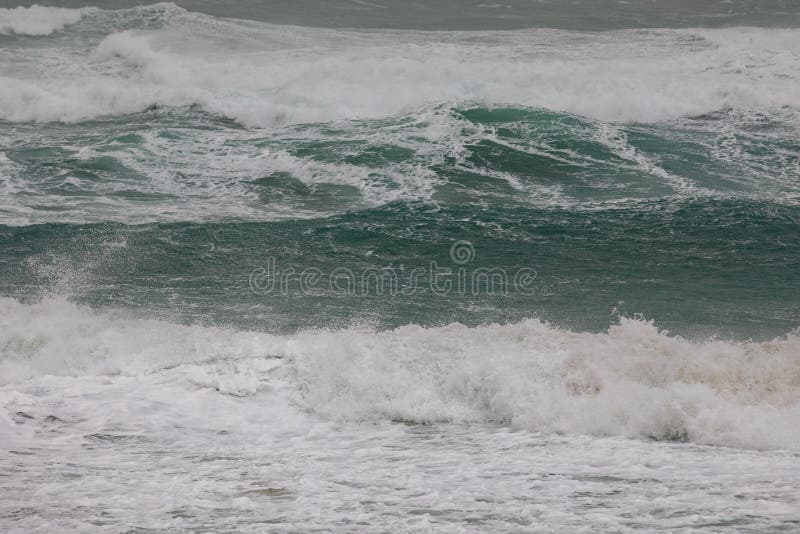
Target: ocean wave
column 37, row 20
column 478, row 155
column 262, row 75
column 632, row 380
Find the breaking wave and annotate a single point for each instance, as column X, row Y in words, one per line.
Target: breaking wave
column 632, row 380
column 263, row 75
column 37, row 20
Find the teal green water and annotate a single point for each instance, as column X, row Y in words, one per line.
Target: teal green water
column 154, row 158
column 702, row 243
column 724, row 267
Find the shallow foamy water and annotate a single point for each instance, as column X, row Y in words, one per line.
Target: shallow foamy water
column 109, row 421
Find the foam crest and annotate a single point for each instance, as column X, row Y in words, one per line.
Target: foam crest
column 633, row 380
column 263, row 75
column 37, row 20
column 56, row 337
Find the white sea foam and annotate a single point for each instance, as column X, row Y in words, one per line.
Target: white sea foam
column 264, row 75
column 309, row 171
column 631, row 381
column 37, row 20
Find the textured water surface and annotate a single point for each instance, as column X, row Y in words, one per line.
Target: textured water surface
column 292, row 267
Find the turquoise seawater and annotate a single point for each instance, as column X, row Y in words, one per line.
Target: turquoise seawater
column 690, row 223
column 393, row 266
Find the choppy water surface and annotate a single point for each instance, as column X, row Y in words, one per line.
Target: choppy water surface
column 325, row 268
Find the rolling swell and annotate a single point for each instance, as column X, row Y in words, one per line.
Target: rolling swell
column 690, row 222
column 698, row 267
column 187, row 165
